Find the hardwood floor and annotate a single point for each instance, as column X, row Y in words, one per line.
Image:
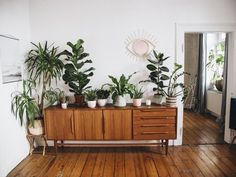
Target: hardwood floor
column 194, row 159
column 182, row 161
column 201, row 129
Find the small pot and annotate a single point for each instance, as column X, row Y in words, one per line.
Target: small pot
column 64, row 105
column 219, row 84
column 38, row 128
column 79, row 99
column 91, row 104
column 148, row 102
column 120, row 101
column 171, row 101
column 158, row 98
column 137, row 102
column 102, row 102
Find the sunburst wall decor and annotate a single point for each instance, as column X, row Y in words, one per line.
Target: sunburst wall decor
column 140, row 44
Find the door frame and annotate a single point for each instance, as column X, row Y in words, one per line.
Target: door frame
column 180, row 30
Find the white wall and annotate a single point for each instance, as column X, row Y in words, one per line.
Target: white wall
column 106, row 24
column 14, row 146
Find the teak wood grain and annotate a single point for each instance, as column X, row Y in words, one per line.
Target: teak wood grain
column 59, row 124
column 88, row 124
column 117, row 124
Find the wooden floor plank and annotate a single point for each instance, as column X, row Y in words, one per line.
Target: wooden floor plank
column 120, row 163
column 110, row 163
column 100, row 162
column 129, row 163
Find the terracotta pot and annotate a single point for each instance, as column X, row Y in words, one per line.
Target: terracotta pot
column 38, row 128
column 171, row 101
column 79, row 99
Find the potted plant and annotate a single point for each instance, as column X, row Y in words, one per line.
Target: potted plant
column 23, row 104
column 91, row 96
column 76, row 77
column 44, row 65
column 119, row 88
column 174, row 88
column 157, row 75
column 137, row 95
column 63, row 100
column 216, row 64
column 102, row 96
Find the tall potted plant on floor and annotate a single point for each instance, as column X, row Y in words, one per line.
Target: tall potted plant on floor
column 75, row 76
column 158, row 75
column 119, row 88
column 44, row 66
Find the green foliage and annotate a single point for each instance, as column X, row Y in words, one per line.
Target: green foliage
column 44, row 65
column 23, row 104
column 103, row 94
column 158, row 72
column 91, row 95
column 120, row 86
column 173, row 84
column 74, row 76
column 137, row 93
column 216, row 61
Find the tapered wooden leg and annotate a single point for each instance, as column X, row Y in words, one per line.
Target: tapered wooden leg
column 162, row 143
column 45, row 144
column 167, row 143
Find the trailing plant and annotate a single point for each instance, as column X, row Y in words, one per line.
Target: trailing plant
column 91, row 95
column 137, row 93
column 23, row 104
column 102, row 94
column 44, row 66
column 76, row 77
column 120, row 86
column 158, row 72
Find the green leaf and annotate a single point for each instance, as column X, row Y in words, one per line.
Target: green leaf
column 165, row 69
column 164, row 77
column 151, row 67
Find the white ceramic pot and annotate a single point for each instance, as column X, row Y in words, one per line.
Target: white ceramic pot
column 158, row 99
column 38, row 128
column 91, row 104
column 64, row 105
column 102, row 102
column 120, row 101
column 137, row 102
column 171, row 101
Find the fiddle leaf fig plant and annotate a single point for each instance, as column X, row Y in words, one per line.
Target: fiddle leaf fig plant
column 75, row 76
column 158, row 72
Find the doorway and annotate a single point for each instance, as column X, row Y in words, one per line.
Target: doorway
column 204, row 58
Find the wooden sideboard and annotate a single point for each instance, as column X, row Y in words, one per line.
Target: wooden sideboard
column 111, row 124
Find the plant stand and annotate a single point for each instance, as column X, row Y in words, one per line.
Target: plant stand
column 31, row 139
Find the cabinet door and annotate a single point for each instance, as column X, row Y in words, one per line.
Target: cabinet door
column 118, row 124
column 88, row 124
column 59, row 124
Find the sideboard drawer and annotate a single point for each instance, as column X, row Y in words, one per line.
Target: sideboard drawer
column 153, row 120
column 154, row 135
column 154, row 112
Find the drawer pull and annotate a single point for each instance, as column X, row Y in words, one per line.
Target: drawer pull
column 151, row 133
column 151, row 110
column 155, row 125
column 146, row 118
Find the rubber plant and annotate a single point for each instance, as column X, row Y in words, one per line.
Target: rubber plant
column 158, row 74
column 75, row 76
column 44, row 66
